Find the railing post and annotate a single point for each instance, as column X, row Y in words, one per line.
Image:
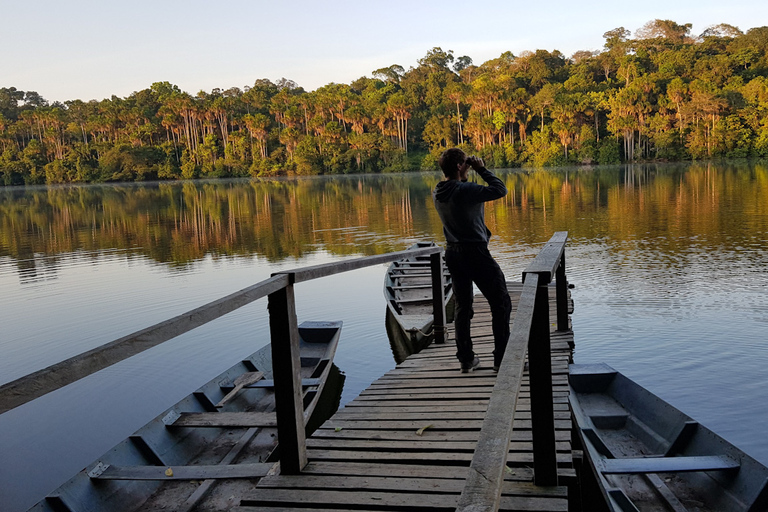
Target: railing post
column 561, row 286
column 540, row 376
column 438, row 296
column 286, row 365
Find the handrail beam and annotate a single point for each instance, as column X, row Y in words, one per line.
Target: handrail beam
column 41, row 382
column 482, row 491
column 300, row 275
column 530, row 335
column 548, row 259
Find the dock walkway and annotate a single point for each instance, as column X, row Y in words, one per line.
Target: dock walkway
column 407, row 441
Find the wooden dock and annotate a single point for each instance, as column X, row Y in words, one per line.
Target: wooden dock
column 422, row 437
column 407, row 441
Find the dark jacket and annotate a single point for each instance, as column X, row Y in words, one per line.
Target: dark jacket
column 460, row 207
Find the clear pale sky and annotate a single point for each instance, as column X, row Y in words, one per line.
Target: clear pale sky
column 92, row 49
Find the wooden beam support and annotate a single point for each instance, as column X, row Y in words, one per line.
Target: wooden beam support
column 286, row 364
column 561, row 287
column 438, row 296
column 540, row 375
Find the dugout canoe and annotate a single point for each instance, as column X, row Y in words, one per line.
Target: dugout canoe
column 224, row 432
column 408, row 292
column 646, row 455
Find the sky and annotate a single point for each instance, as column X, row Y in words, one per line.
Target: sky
column 94, row 49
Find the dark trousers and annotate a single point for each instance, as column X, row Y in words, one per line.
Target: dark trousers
column 470, row 263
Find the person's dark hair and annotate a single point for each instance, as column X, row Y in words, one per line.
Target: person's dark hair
column 450, row 160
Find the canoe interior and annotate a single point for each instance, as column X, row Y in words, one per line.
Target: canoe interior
column 408, row 292
column 195, row 449
column 647, row 455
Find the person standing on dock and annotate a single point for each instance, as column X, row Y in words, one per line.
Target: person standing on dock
column 460, row 205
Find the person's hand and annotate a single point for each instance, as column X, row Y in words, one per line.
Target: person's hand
column 475, row 162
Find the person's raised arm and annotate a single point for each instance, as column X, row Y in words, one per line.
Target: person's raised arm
column 495, row 188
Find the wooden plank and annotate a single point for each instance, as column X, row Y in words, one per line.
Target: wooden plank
column 302, row 498
column 436, row 414
column 399, row 484
column 206, row 485
column 416, row 405
column 462, row 380
column 184, row 472
column 225, row 419
column 345, row 500
column 668, row 464
column 240, row 382
column 415, row 445
column 353, row 468
column 269, row 383
column 425, row 457
column 428, row 434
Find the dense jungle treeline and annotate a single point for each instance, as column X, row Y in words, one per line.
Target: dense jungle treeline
column 661, row 95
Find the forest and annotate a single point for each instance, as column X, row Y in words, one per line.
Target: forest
column 660, row 94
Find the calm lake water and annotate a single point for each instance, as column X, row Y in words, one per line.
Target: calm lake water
column 668, row 264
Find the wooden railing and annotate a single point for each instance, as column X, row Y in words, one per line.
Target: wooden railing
column 284, row 339
column 529, row 333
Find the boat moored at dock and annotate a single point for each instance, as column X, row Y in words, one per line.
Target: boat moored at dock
column 408, row 292
column 646, row 455
column 226, row 429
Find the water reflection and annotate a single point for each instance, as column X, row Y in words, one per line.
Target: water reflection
column 636, row 207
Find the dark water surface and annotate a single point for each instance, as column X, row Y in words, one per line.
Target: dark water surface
column 668, row 264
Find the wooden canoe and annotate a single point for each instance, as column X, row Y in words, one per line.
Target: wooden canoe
column 408, row 292
column 212, row 435
column 646, row 455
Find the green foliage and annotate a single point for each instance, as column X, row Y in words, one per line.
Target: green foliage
column 542, row 150
column 127, row 163
column 663, row 95
column 608, row 152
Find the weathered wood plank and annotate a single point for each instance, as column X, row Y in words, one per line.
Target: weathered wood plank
column 184, row 472
column 353, row 468
column 400, row 484
column 302, row 498
column 415, row 445
column 225, row 419
column 428, row 434
column 425, row 457
column 668, row 464
column 547, row 260
column 432, row 415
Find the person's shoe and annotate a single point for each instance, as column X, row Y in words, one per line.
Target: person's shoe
column 468, row 367
column 496, row 368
